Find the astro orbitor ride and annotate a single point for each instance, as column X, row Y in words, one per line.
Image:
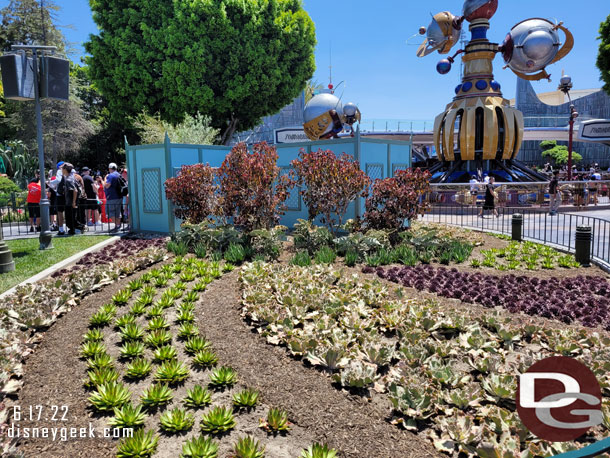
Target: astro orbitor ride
column 489, row 130
column 325, row 116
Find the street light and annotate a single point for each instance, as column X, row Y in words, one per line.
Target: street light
column 565, row 84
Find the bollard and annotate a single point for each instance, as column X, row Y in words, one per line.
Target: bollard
column 6, row 255
column 517, row 227
column 583, row 245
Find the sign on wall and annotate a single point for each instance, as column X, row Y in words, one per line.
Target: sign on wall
column 290, row 135
column 597, row 130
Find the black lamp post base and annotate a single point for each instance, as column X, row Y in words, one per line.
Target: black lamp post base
column 6, row 258
column 46, row 240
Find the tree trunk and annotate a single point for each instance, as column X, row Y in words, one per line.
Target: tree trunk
column 228, row 133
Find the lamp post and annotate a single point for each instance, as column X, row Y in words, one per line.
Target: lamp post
column 46, row 237
column 565, row 84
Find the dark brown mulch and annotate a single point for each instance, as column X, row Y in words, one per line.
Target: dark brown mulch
column 355, row 425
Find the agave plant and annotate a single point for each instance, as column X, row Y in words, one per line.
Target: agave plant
column 128, row 416
column 197, row 397
column 165, row 353
column 205, row 358
column 131, row 332
column 124, row 320
column 319, row 451
column 223, row 376
column 147, row 297
column 146, row 278
column 100, row 319
column 141, row 445
column 200, row 447
column 100, row 361
column 93, row 335
column 191, row 296
column 161, row 282
column 121, row 298
column 186, row 307
column 185, row 316
column 172, row 372
column 100, row 376
column 176, row 420
column 138, row 368
column 248, row 447
column 158, row 338
column 218, row 420
column 137, row 309
column 136, row 284
column 109, row 395
column 276, row 421
column 187, row 330
column 165, row 302
column 200, row 286
column 196, row 344
column 245, row 399
column 132, row 349
column 155, row 311
column 156, row 395
column 157, row 322
column 92, row 348
column 174, row 293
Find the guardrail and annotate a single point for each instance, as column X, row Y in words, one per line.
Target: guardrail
column 538, row 225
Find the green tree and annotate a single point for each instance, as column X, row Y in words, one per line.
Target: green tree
column 233, row 60
column 558, row 153
column 603, row 58
column 194, row 130
column 20, row 163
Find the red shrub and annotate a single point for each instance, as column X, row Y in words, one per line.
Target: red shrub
column 330, row 184
column 394, row 200
column 194, row 193
column 252, row 188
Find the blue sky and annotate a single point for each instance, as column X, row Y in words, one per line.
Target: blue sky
column 383, row 75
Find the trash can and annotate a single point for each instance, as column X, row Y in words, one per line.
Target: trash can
column 583, row 245
column 517, row 222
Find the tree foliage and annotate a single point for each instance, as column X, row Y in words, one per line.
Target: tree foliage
column 21, row 163
column 194, row 193
column 603, row 58
column 233, row 60
column 558, row 153
column 252, row 187
column 330, row 184
column 194, row 130
column 394, row 200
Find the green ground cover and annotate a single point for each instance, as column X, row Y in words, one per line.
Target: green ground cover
column 29, row 260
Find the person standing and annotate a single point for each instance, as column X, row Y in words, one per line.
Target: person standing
column 114, row 200
column 61, row 198
column 91, row 193
column 33, row 201
column 474, row 189
column 490, row 199
column 81, row 203
column 554, row 194
column 101, row 196
column 71, row 197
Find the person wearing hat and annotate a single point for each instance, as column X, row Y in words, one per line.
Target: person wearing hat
column 61, row 198
column 91, row 193
column 114, row 200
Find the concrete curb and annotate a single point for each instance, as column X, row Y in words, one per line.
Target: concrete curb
column 60, row 265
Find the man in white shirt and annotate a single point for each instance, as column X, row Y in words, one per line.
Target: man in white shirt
column 474, row 189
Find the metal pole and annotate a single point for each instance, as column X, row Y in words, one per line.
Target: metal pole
column 46, row 237
column 571, row 137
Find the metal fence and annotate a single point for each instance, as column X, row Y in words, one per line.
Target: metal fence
column 538, row 225
column 16, row 220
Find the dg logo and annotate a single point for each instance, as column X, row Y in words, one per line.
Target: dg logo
column 559, row 399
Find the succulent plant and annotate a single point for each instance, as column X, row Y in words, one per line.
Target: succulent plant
column 155, row 311
column 186, row 307
column 146, row 278
column 138, row 368
column 121, row 298
column 185, row 316
column 276, row 421
column 137, row 309
column 93, row 335
column 145, row 298
column 156, row 395
column 205, row 358
column 128, row 416
column 124, row 320
column 191, row 296
column 165, row 353
column 248, row 447
column 218, row 420
column 91, row 349
column 165, row 302
column 200, row 286
column 174, row 293
column 110, row 308
column 176, row 420
column 187, row 330
column 100, row 376
column 245, row 399
column 161, row 282
column 132, row 349
column 197, row 397
column 100, row 361
column 172, row 372
column 319, row 451
column 223, row 376
column 158, row 338
column 136, row 284
column 131, row 332
column 196, row 344
column 157, row 322
column 200, row 447
column 100, row 319
column 109, row 395
column 141, row 445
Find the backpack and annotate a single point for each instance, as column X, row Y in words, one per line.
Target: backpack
column 121, row 186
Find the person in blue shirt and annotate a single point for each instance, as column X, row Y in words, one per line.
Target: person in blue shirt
column 114, row 200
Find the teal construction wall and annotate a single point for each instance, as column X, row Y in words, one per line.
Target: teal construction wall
column 150, row 165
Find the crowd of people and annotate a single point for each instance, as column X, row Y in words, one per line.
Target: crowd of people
column 80, row 199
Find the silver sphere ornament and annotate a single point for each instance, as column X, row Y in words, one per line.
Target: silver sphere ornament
column 320, row 115
column 565, row 80
column 422, row 30
column 443, row 66
column 479, row 9
column 350, row 109
column 531, row 45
